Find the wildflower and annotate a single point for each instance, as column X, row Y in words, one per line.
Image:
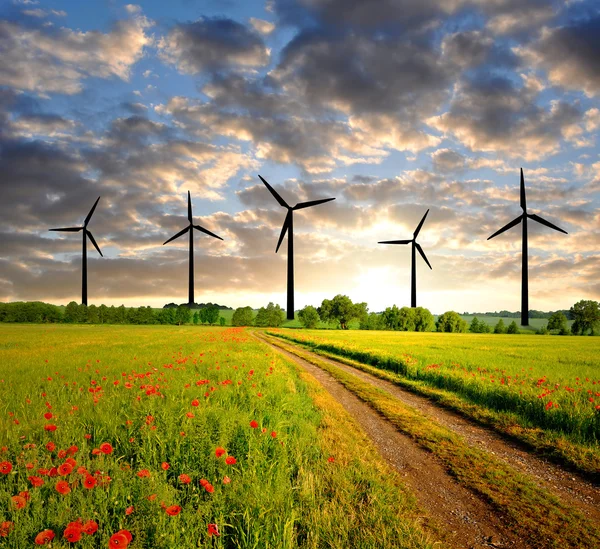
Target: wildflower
column 89, row 482
column 65, row 469
column 106, row 448
column 62, row 487
column 36, row 481
column 72, row 533
column 129, row 510
column 195, row 402
column 184, row 479
column 165, row 466
column 253, row 424
column 44, row 537
column 90, row 527
column 230, row 460
column 213, row 530
column 5, row 467
column 173, row 510
column 143, row 473
column 50, row 427
column 273, row 434
column 209, row 487
column 48, row 415
column 549, row 405
column 19, row 501
column 226, row 480
column 219, row 451
column 330, row 459
column 5, row 528
column 117, row 540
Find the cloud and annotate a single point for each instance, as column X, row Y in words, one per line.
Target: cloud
column 213, row 44
column 262, row 26
column 569, row 55
column 43, row 60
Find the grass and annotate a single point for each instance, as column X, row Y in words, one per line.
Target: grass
column 543, row 390
column 162, row 394
column 533, row 512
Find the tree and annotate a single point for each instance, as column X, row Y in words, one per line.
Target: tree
column 424, row 321
column 166, row 316
column 195, row 318
column 73, row 312
column 586, row 314
column 212, row 314
column 558, row 321
column 93, row 316
column 499, row 328
column 309, row 316
column 512, row 328
column 271, row 315
column 222, row 320
column 451, row 321
column 182, row 315
column 242, row 316
column 475, row 326
column 373, row 321
column 341, row 310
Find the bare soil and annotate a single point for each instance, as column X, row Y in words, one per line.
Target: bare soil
column 456, row 515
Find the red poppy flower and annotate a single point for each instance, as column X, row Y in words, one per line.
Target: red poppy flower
column 87, row 436
column 330, row 459
column 226, row 480
column 209, row 487
column 44, row 537
column 48, row 415
column 106, row 448
column 50, row 446
column 65, row 469
column 53, row 472
column 72, row 534
column 273, row 434
column 190, row 415
column 165, row 465
column 90, row 527
column 253, row 424
column 230, row 460
column 151, row 497
column 219, row 451
column 62, row 454
column 173, row 510
column 5, row 528
column 72, row 450
column 50, row 427
column 19, row 501
column 71, row 461
column 213, row 530
column 36, row 481
column 195, row 402
column 5, row 467
column 89, row 482
column 184, row 479
column 25, row 494
column 62, row 487
column 129, row 510
column 117, row 540
column 143, row 473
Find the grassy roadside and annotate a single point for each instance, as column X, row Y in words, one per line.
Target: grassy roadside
column 558, row 446
column 532, row 511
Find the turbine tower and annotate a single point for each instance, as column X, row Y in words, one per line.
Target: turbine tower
column 288, row 225
column 524, row 274
column 191, row 228
column 415, row 246
column 86, row 233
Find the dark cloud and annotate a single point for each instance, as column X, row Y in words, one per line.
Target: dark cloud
column 213, row 44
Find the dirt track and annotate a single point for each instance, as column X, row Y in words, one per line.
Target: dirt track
column 461, row 519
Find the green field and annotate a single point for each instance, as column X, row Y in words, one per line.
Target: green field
column 121, row 428
column 529, row 385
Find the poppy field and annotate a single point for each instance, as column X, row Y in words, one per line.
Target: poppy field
column 162, row 437
column 544, row 389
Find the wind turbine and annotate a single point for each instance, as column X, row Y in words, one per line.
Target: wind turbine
column 86, row 233
column 288, row 225
column 191, row 228
column 524, row 274
column 415, row 245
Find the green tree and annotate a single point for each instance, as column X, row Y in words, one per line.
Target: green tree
column 73, row 313
column 513, row 328
column 182, row 315
column 212, row 314
column 475, row 326
column 196, row 317
column 222, row 320
column 451, row 321
column 341, row 310
column 586, row 314
column 557, row 321
column 166, row 316
column 242, row 316
column 93, row 316
column 424, row 321
column 271, row 315
column 500, row 328
column 309, row 316
column 373, row 321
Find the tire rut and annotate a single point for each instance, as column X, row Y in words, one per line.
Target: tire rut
column 456, row 515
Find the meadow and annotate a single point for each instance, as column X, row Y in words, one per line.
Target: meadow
column 165, row 436
column 543, row 389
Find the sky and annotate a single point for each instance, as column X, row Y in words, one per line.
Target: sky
column 393, row 107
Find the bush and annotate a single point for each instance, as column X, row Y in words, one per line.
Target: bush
column 513, row 328
column 451, row 321
column 500, row 328
column 372, row 322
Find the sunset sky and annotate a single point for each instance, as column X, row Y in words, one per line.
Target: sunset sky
column 392, row 107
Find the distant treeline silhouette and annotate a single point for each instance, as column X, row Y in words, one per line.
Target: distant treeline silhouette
column 517, row 314
column 198, row 306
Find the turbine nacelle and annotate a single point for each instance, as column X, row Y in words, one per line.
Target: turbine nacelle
column 413, row 240
column 84, row 228
column 191, row 225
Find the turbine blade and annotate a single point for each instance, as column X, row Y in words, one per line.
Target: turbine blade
column 418, row 229
column 523, row 201
column 68, row 229
column 395, row 242
column 93, row 242
column 544, row 222
column 286, row 226
column 506, row 227
column 89, row 216
column 302, row 205
column 189, row 207
column 180, row 233
column 423, row 255
column 281, row 201
column 206, row 231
